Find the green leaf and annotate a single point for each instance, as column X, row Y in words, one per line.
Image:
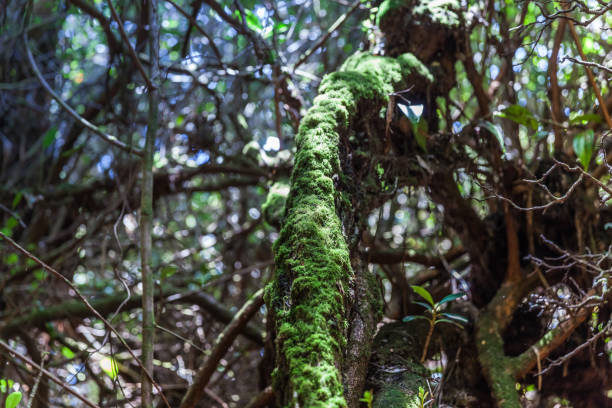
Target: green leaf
column 421, row 291
column 520, row 115
column 450, row 322
column 110, row 367
column 585, row 119
column 66, row 352
column 451, row 297
column 11, row 259
column 425, row 305
column 412, row 112
column 17, row 199
column 168, row 270
column 413, row 317
column 11, row 223
column 49, row 137
column 252, row 21
column 419, row 126
column 13, row 399
column 420, row 134
column 583, row 147
column 495, row 131
column 455, row 316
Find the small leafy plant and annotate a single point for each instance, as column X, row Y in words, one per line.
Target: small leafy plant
column 368, row 398
column 423, row 397
column 434, row 314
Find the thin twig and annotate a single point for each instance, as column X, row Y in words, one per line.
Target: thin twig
column 556, row 200
column 588, row 64
column 84, row 122
column 131, row 50
column 575, row 351
column 37, row 382
column 200, row 29
column 337, row 24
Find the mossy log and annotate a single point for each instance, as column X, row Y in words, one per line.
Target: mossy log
column 395, row 373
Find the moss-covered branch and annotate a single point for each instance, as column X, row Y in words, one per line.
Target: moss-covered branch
column 308, row 298
column 502, row 371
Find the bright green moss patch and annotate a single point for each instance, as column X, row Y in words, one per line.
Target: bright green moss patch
column 313, row 272
column 273, row 208
column 387, row 6
column 439, row 11
column 498, row 366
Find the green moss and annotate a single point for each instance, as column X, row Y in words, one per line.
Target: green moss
column 495, row 363
column 394, row 396
column 273, row 209
column 387, row 6
column 439, row 11
column 313, row 272
column 411, row 64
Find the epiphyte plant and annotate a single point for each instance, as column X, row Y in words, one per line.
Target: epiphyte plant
column 434, row 314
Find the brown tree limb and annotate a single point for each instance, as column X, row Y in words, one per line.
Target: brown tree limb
column 526, row 361
column 555, row 93
column 222, row 344
column 388, row 256
column 262, row 399
column 108, row 305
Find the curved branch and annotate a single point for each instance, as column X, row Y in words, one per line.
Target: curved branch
column 113, row 140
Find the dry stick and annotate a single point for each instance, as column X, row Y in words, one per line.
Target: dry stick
column 86, row 302
column 146, row 212
column 337, row 24
column 84, row 122
column 36, row 383
column 588, row 64
column 222, row 344
column 47, row 374
column 131, row 50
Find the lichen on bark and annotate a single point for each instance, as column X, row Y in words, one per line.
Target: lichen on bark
column 308, row 298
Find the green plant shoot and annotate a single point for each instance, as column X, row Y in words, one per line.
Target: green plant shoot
column 434, row 314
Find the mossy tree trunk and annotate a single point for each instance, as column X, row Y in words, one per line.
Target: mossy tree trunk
column 316, row 297
column 324, row 300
